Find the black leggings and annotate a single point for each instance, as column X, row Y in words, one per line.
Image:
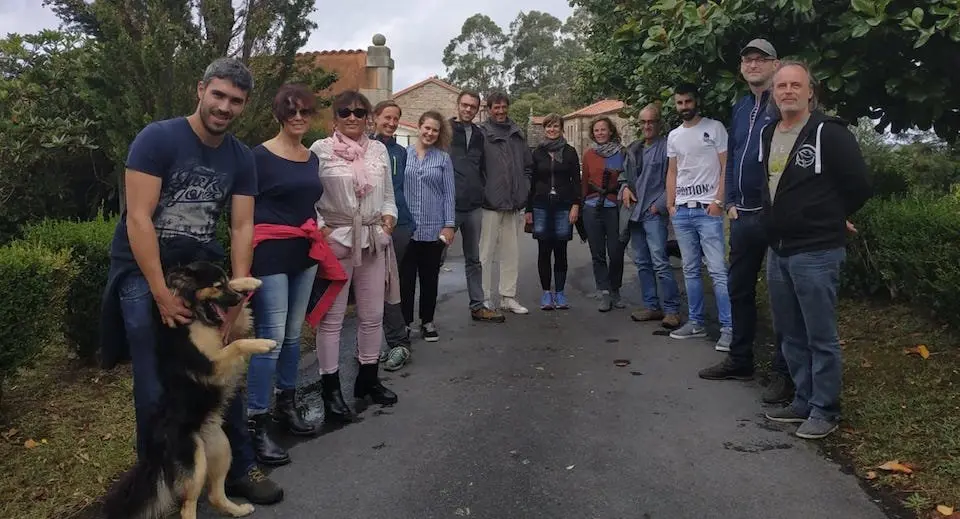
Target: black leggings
column 558, row 248
column 421, row 260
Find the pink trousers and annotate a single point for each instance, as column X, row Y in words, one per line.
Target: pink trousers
column 368, row 282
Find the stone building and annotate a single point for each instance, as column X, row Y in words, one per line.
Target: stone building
column 429, row 94
column 369, row 71
column 576, row 126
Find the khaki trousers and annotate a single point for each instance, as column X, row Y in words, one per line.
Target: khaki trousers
column 499, row 242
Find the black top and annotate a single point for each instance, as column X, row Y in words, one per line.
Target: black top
column 563, row 174
column 289, row 191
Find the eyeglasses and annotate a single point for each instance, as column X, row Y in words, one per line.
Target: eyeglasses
column 755, row 61
column 359, row 113
column 302, row 112
column 651, row 122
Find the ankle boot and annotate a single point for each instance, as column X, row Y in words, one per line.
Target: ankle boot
column 267, row 451
column 286, row 414
column 334, row 407
column 368, row 384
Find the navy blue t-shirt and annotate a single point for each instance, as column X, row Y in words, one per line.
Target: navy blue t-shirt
column 289, row 191
column 198, row 181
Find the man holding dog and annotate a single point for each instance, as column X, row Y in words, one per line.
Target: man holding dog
column 180, row 174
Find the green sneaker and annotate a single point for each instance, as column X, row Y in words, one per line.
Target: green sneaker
column 396, row 359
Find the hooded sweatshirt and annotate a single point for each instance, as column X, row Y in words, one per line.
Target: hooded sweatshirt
column 508, row 163
column 824, row 182
column 398, row 164
column 745, row 177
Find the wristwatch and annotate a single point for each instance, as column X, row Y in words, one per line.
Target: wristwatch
column 719, row 203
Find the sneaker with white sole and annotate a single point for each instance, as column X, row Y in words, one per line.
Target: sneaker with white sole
column 429, row 332
column 689, row 331
column 726, row 338
column 511, row 304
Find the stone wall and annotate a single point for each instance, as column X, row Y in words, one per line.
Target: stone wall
column 429, row 96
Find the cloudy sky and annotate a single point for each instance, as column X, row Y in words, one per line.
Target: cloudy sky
column 416, row 30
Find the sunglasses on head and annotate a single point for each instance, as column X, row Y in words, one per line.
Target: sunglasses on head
column 359, row 113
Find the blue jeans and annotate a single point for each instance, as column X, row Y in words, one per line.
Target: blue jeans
column 138, row 308
column 279, row 308
column 700, row 235
column 803, row 300
column 649, row 240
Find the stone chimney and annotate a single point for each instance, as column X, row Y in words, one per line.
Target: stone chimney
column 379, row 71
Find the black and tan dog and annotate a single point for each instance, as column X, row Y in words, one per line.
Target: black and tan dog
column 199, row 371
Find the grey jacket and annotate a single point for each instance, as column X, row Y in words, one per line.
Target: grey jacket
column 646, row 174
column 508, row 164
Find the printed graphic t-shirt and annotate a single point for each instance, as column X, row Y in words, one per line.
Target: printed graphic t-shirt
column 197, row 180
column 698, row 164
column 780, row 147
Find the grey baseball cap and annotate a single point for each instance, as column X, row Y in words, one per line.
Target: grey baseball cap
column 761, row 45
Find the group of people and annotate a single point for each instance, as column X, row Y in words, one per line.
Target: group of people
column 358, row 213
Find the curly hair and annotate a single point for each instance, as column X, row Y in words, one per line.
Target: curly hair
column 614, row 133
column 446, row 133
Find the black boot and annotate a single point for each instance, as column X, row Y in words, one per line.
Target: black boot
column 287, row 415
column 334, row 407
column 368, row 384
column 267, row 451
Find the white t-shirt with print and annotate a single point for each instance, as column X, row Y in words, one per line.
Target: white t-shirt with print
column 697, row 151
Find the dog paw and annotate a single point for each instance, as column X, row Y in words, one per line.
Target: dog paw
column 245, row 284
column 243, row 510
column 255, row 346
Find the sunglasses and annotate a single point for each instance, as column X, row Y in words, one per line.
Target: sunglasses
column 359, row 113
column 302, row 112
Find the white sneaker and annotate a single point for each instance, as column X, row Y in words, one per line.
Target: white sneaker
column 511, row 304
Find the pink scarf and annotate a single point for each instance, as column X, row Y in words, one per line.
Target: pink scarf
column 353, row 152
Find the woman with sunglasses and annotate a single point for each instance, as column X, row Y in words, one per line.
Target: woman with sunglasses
column 288, row 189
column 428, row 186
column 357, row 214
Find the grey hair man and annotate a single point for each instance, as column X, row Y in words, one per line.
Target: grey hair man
column 817, row 179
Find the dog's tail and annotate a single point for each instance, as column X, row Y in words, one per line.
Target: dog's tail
column 144, row 492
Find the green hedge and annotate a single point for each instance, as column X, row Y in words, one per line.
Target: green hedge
column 908, row 248
column 35, row 285
column 88, row 243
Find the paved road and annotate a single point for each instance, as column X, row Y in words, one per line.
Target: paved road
column 532, row 419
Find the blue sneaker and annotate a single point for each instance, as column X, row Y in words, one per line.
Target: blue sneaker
column 560, row 301
column 546, row 301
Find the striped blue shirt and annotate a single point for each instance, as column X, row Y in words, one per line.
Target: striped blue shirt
column 428, row 187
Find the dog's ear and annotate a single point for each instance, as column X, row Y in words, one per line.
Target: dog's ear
column 182, row 283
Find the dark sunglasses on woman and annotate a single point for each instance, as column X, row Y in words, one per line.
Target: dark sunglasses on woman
column 359, row 113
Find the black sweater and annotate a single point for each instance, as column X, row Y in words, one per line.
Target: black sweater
column 825, row 182
column 564, row 175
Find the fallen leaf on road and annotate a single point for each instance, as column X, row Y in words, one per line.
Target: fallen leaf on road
column 636, row 373
column 539, row 368
column 621, row 362
column 944, row 510
column 571, row 467
column 896, row 466
column 920, row 350
column 871, row 475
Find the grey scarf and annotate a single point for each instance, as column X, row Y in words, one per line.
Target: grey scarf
column 553, row 145
column 607, row 149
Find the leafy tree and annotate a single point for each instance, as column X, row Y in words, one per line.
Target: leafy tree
column 891, row 60
column 540, row 55
column 474, row 59
column 532, row 103
column 51, row 161
column 147, row 56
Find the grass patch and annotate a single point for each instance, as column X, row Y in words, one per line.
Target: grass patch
column 901, row 407
column 81, row 419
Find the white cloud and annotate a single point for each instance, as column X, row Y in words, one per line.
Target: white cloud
column 417, row 30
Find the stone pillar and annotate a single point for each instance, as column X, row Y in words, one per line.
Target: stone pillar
column 379, row 71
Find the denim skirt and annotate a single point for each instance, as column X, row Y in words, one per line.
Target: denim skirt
column 552, row 224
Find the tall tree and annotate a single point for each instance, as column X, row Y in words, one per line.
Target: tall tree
column 474, row 59
column 887, row 59
column 147, row 56
column 534, row 56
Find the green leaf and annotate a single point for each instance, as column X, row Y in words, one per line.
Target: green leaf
column 917, row 15
column 860, row 30
column 924, row 37
column 864, row 6
column 835, row 83
column 664, row 5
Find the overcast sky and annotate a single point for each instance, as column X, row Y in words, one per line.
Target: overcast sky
column 416, row 30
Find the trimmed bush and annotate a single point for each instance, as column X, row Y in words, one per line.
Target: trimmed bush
column 35, row 284
column 909, row 248
column 88, row 243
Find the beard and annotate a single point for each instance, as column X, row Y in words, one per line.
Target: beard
column 206, row 114
column 688, row 115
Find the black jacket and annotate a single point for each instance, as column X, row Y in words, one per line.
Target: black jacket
column 825, row 182
column 468, row 166
column 565, row 179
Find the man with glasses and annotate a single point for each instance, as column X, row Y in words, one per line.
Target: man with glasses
column 646, row 174
column 466, row 152
column 745, row 180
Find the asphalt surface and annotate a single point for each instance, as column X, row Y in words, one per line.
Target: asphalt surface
column 532, row 419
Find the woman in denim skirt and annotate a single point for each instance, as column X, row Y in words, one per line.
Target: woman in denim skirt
column 553, row 207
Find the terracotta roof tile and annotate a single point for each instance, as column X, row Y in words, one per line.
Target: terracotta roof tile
column 599, row 108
